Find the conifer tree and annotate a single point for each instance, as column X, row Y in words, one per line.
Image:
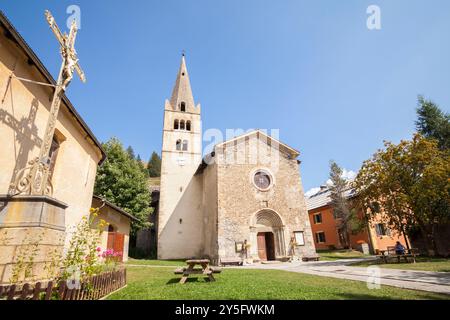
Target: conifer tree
column 433, row 123
column 340, row 203
column 154, row 165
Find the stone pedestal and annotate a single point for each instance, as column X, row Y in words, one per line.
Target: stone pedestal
column 32, row 234
column 364, row 248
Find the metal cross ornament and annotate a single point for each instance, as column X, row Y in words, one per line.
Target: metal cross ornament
column 36, row 178
column 69, row 55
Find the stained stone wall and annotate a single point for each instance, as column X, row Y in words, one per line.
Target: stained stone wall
column 32, row 233
column 239, row 200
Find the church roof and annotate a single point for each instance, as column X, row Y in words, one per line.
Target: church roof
column 265, row 137
column 293, row 153
column 15, row 36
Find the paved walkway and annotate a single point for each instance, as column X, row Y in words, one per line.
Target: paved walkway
column 418, row 280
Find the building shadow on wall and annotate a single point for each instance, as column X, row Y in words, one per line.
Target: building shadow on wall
column 25, row 136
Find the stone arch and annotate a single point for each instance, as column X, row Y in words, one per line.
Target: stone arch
column 268, row 218
column 268, row 221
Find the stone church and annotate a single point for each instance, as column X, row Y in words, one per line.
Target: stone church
column 247, row 192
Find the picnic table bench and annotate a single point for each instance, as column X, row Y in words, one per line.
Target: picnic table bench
column 389, row 253
column 307, row 258
column 231, row 261
column 204, row 269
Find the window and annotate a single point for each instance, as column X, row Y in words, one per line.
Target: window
column 320, row 237
column 182, row 125
column 178, row 145
column 183, row 107
column 382, row 230
column 185, row 145
column 299, row 238
column 176, row 124
column 52, row 155
column 262, row 180
column 317, row 218
column 188, row 125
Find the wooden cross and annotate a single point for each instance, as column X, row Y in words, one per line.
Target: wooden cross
column 35, row 179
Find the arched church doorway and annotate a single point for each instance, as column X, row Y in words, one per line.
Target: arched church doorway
column 267, row 234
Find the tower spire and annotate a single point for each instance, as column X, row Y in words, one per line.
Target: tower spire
column 182, row 91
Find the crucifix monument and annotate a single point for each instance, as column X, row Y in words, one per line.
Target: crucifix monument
column 29, row 213
column 35, row 179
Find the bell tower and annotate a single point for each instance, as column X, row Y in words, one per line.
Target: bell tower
column 180, row 157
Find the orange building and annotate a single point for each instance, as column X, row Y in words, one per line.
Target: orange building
column 324, row 226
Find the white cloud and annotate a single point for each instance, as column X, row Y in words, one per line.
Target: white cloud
column 348, row 174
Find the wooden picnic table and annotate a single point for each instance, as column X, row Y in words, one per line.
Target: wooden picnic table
column 204, row 269
column 389, row 253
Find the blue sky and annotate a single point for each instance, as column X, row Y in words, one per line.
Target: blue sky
column 312, row 69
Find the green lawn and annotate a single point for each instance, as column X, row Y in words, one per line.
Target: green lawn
column 329, row 255
column 237, row 284
column 423, row 264
column 147, row 262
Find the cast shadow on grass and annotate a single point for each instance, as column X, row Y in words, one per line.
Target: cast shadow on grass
column 190, row 279
column 352, row 296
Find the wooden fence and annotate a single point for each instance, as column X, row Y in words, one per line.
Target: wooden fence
column 95, row 288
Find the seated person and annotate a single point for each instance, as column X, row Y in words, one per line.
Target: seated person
column 399, row 248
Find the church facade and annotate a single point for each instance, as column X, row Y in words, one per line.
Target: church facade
column 245, row 194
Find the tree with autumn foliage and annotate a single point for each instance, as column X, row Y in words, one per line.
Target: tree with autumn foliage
column 409, row 183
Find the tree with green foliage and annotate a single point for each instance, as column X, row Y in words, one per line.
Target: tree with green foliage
column 141, row 165
column 154, row 165
column 121, row 181
column 409, row 183
column 433, row 123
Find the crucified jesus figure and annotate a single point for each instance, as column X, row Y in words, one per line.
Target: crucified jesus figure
column 69, row 66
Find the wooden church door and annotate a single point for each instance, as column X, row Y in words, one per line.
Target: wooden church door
column 261, row 237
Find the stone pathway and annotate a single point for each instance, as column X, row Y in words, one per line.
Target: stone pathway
column 417, row 280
